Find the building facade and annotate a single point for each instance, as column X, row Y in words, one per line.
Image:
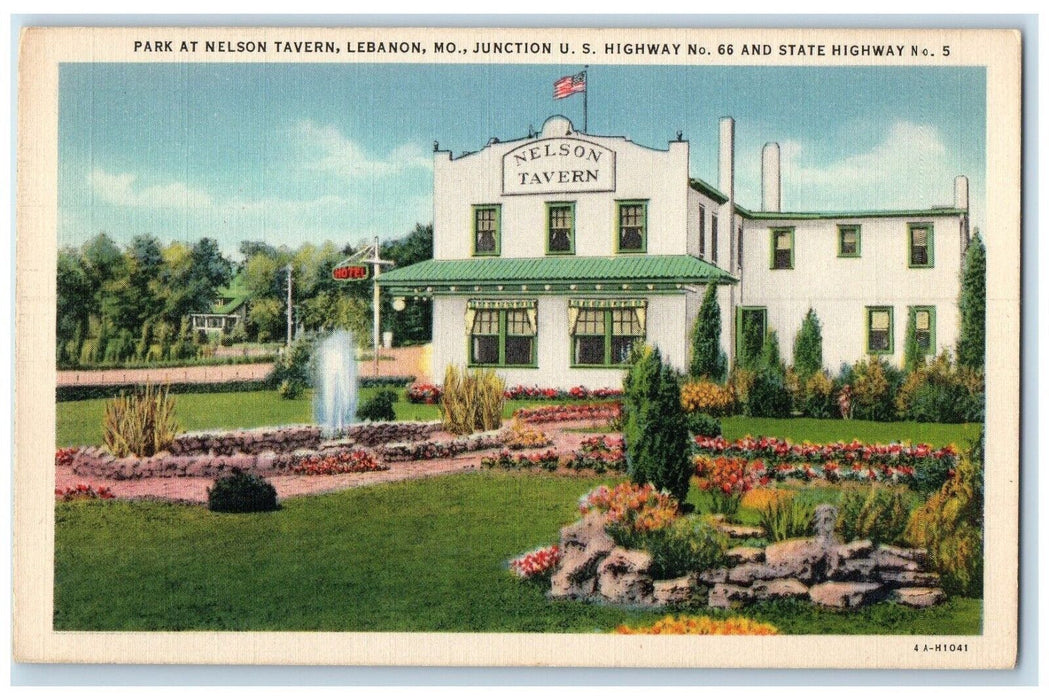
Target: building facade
column 555, row 253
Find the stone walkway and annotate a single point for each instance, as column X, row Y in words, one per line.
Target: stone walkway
column 195, row 489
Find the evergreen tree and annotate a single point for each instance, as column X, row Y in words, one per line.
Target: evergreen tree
column 655, row 426
column 972, row 304
column 808, row 347
column 913, row 358
column 770, row 360
column 708, row 359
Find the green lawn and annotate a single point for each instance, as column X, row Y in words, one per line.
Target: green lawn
column 427, row 555
column 80, row 422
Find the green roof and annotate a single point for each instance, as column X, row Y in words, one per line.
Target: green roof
column 707, row 189
column 797, row 215
column 589, row 273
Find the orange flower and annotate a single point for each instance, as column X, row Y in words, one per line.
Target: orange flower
column 702, row 625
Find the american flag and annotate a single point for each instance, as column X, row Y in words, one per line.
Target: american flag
column 569, row 85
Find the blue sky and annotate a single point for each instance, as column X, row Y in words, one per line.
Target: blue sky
column 290, row 153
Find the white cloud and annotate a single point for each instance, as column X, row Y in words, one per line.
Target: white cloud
column 330, row 151
column 122, row 189
column 909, row 168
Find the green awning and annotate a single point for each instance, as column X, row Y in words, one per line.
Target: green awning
column 553, row 274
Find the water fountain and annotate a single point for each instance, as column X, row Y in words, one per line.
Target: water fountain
column 335, row 381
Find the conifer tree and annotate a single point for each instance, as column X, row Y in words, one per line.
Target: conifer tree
column 708, row 359
column 972, row 304
column 808, row 347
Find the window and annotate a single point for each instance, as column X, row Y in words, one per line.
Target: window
column 486, row 229
column 879, row 330
column 925, row 329
column 849, row 241
column 751, row 326
column 714, row 238
column 782, row 249
column 919, row 240
column 631, row 236
column 702, row 231
column 502, row 333
column 560, row 228
column 604, row 331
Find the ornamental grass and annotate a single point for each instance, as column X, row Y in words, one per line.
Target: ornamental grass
column 141, row 423
column 471, row 400
column 702, row 625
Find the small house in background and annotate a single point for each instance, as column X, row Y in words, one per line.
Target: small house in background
column 229, row 310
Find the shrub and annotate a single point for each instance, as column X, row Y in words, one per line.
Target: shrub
column 708, row 359
column 654, row 426
column 739, row 383
column 378, row 407
column 817, row 396
column 700, row 424
column 781, row 514
column 808, row 347
column 874, row 388
column 291, row 371
column 471, row 400
column 707, row 397
column 950, row 527
column 702, row 625
column 687, row 544
column 519, row 435
column 878, row 514
column 242, row 493
column 141, row 423
column 770, row 359
column 941, row 393
column 768, row 396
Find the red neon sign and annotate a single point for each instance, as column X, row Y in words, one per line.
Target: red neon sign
column 350, row 272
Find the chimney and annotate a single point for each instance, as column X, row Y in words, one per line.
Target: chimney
column 727, row 158
column 770, row 179
column 961, row 193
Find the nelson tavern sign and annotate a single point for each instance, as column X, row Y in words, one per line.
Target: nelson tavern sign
column 559, row 165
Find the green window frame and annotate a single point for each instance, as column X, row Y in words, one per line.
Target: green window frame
column 632, row 226
column 503, row 337
column 920, row 248
column 603, row 333
column 879, row 327
column 702, row 231
column 486, row 229
column 752, row 326
column 560, row 228
column 924, row 328
column 848, row 248
column 781, row 249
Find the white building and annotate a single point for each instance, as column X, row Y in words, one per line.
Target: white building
column 553, row 254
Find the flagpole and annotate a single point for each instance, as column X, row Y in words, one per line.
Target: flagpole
column 586, row 92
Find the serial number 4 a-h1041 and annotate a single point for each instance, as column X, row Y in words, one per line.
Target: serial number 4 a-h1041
column 350, row 272
column 941, row 647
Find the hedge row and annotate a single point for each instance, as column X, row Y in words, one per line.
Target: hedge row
column 84, row 392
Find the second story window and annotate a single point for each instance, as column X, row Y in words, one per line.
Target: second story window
column 486, row 229
column 849, row 241
column 632, row 227
column 920, row 250
column 702, row 231
column 714, row 238
column 560, row 228
column 782, row 249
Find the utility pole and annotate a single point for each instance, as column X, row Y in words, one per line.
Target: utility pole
column 288, row 342
column 377, row 263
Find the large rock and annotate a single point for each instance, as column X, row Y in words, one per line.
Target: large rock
column 745, row 555
column 857, row 549
column 888, row 560
column 779, row 588
column 622, row 577
column 918, row 556
column 674, row 591
column 746, row 574
column 852, row 570
column 918, row 597
column 563, row 586
column 725, row 595
column 739, row 532
column 712, row 576
column 584, row 544
column 824, row 519
column 842, row 594
column 807, row 560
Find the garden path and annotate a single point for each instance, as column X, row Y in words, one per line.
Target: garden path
column 195, row 489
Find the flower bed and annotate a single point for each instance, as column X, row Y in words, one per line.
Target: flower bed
column 431, row 393
column 424, row 393
column 570, row 412
column 345, row 462
column 767, row 459
column 519, row 436
column 84, row 492
column 437, row 449
column 600, row 453
column 65, row 456
column 548, row 460
column 538, row 563
column 632, row 507
column 701, row 625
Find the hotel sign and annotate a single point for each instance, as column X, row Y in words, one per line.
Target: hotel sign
column 559, row 165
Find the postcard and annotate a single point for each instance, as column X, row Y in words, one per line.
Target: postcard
column 597, row 347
